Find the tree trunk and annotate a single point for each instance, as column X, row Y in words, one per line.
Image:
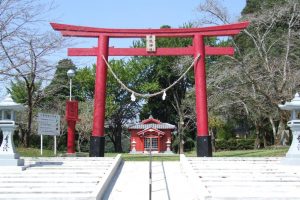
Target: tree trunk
column 118, row 143
column 180, row 132
column 78, row 143
column 257, row 139
column 213, row 146
column 181, row 145
column 118, row 139
column 280, row 132
column 29, row 121
column 265, row 139
column 273, row 129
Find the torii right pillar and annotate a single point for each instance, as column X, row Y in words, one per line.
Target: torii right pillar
column 204, row 148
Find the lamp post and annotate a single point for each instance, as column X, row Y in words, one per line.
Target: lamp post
column 70, row 74
column 71, row 116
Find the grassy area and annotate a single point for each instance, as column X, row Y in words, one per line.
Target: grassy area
column 145, row 157
column 269, row 152
column 32, row 152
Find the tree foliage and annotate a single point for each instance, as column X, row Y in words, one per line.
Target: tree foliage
column 25, row 50
column 263, row 72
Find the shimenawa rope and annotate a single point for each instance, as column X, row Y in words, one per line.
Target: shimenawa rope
column 153, row 94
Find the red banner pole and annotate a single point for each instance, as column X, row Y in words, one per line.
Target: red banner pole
column 71, row 117
column 71, row 137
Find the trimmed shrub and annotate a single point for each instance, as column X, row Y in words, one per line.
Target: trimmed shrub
column 235, row 144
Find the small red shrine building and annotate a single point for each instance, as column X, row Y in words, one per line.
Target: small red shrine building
column 151, row 133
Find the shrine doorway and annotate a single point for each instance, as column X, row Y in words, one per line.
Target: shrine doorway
column 151, row 143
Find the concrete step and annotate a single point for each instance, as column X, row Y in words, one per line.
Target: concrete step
column 243, row 178
column 58, row 178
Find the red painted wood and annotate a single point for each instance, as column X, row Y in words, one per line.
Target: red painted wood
column 100, row 87
column 167, row 31
column 140, row 134
column 152, row 130
column 142, row 51
column 151, row 120
column 71, row 137
column 72, row 110
column 214, row 51
column 143, row 35
column 71, row 117
column 200, row 86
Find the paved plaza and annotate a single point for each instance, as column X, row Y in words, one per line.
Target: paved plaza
column 168, row 182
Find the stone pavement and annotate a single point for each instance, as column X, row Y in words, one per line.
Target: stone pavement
column 132, row 182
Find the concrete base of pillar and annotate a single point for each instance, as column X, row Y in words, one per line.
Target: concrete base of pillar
column 97, row 146
column 204, row 148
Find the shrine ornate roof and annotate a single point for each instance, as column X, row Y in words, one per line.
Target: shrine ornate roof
column 152, row 123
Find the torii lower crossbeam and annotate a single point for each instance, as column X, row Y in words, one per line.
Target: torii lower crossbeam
column 198, row 34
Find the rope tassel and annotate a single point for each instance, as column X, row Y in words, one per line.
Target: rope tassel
column 133, row 98
column 164, row 95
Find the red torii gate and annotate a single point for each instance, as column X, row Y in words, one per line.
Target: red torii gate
column 103, row 34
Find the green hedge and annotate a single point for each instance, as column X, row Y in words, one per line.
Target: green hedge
column 234, row 144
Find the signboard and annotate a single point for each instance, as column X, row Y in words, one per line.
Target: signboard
column 48, row 124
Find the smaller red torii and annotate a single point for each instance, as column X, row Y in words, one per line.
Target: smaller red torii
column 103, row 49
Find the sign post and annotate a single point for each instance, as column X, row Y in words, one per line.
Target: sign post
column 48, row 124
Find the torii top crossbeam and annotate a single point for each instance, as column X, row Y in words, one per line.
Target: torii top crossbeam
column 103, row 51
column 83, row 31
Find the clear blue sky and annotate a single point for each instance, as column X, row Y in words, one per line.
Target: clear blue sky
column 126, row 14
column 134, row 13
column 129, row 14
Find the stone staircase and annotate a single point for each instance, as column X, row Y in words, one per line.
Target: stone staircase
column 58, row 178
column 198, row 178
column 242, row 178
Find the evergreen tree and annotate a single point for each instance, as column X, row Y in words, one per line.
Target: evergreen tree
column 59, row 86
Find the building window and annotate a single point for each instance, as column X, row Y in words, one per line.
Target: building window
column 147, row 144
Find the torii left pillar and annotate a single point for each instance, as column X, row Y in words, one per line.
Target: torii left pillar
column 98, row 139
column 204, row 148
